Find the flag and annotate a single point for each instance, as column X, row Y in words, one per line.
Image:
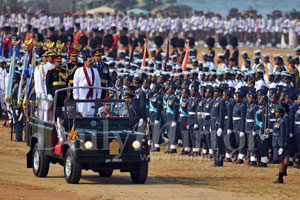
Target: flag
column 145, row 53
column 186, row 57
column 1, row 47
column 167, row 57
column 18, row 47
column 11, row 48
column 72, row 134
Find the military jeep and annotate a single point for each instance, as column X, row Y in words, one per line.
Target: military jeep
column 89, row 134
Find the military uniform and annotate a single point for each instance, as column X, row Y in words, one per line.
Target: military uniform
column 184, row 126
column 239, row 118
column 193, row 121
column 217, row 127
column 155, row 109
column 57, row 79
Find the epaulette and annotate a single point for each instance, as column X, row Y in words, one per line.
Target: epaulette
column 51, row 68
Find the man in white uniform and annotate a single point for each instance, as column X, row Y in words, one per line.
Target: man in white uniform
column 84, row 77
column 40, row 84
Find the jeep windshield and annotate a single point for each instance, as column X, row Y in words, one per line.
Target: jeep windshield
column 96, row 109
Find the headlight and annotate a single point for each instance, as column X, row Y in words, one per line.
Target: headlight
column 88, row 145
column 136, row 144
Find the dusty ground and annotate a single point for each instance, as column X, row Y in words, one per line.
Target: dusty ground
column 169, row 177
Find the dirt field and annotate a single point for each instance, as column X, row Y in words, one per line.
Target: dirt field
column 170, row 177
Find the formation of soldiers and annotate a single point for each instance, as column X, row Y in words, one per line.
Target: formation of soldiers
column 213, row 107
column 251, row 29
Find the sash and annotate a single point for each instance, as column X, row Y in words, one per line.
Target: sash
column 259, row 124
column 152, row 107
column 181, row 109
column 90, row 93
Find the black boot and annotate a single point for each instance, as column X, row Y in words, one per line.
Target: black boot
column 280, row 178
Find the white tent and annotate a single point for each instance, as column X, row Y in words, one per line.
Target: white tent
column 102, row 9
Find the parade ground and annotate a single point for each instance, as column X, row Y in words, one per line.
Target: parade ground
column 170, row 177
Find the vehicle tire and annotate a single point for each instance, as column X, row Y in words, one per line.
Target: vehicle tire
column 106, row 172
column 140, row 173
column 72, row 169
column 40, row 162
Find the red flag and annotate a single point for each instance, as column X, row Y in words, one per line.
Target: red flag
column 167, row 57
column 144, row 56
column 186, row 57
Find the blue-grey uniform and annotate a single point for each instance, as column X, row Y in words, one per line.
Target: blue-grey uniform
column 183, row 120
column 139, row 102
column 280, row 130
column 192, row 120
column 239, row 118
column 251, row 130
column 262, row 139
column 228, row 127
column 205, row 135
column 291, row 140
column 155, row 110
column 271, row 121
column 165, row 97
column 217, row 127
column 199, row 134
column 172, row 117
column 147, row 93
column 297, row 131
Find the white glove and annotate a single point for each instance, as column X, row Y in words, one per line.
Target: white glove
column 148, row 119
column 156, row 122
column 188, row 126
column 291, row 135
column 141, row 122
column 242, row 134
column 173, row 124
column 219, row 132
column 229, row 131
column 254, row 133
column 50, row 98
column 280, row 151
column 196, row 126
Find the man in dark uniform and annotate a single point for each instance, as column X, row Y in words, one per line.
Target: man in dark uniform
column 140, row 101
column 239, row 118
column 262, row 131
column 192, row 119
column 274, row 159
column 155, row 110
column 228, row 124
column 297, row 130
column 107, row 111
column 207, row 104
column 280, row 129
column 71, row 67
column 183, row 120
column 103, row 71
column 217, row 126
column 172, row 117
column 57, row 78
column 133, row 118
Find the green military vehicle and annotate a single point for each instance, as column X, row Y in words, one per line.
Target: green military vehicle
column 91, row 135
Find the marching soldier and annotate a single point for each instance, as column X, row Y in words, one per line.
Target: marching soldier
column 172, row 118
column 155, row 110
column 228, row 124
column 140, row 101
column 192, row 119
column 280, row 129
column 239, row 118
column 183, row 120
column 217, row 126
